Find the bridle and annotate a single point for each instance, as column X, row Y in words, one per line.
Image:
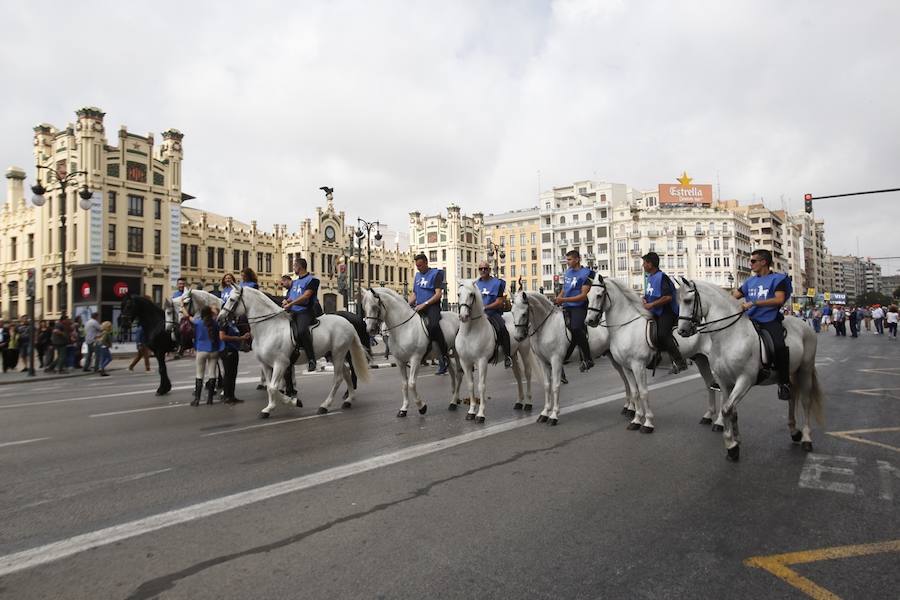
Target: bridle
column 696, row 318
column 383, row 310
column 605, row 299
column 526, row 321
column 239, row 291
column 469, row 308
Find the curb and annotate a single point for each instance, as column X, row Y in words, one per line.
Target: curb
column 42, row 377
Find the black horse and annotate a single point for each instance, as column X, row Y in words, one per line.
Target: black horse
column 153, row 320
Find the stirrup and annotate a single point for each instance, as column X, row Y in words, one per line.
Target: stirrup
column 507, row 362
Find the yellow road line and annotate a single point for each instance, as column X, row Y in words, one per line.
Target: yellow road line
column 851, row 436
column 777, row 564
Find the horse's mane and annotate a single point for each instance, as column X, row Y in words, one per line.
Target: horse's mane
column 144, row 303
column 541, row 299
column 629, row 294
column 706, row 286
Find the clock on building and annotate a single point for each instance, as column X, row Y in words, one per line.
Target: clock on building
column 329, row 233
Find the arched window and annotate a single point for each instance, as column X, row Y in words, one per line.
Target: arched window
column 562, row 220
column 588, row 217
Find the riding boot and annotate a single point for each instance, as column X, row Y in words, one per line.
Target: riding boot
column 307, row 343
column 783, row 366
column 584, row 347
column 210, row 390
column 198, row 389
column 442, row 347
column 503, row 334
column 679, row 364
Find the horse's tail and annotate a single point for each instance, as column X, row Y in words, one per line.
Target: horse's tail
column 358, row 358
column 816, row 399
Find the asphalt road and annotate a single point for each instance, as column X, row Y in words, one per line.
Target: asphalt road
column 107, row 491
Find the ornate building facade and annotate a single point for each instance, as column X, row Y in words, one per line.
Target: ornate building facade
column 518, row 235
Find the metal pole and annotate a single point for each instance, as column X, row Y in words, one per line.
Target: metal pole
column 63, row 292
column 31, row 327
column 369, row 257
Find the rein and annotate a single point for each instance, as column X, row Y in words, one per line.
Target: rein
column 384, row 308
column 702, row 326
column 527, row 322
column 606, row 299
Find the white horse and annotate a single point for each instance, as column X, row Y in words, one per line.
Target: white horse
column 626, row 319
column 734, row 355
column 409, row 341
column 697, row 348
column 475, row 346
column 273, row 344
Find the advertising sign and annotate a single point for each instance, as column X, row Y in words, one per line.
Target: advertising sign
column 685, row 192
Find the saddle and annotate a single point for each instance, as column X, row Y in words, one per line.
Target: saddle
column 295, row 337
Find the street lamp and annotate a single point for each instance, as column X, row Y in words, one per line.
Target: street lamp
column 730, row 281
column 85, row 203
column 495, row 252
column 362, row 224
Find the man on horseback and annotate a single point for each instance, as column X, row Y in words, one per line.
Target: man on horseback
column 766, row 292
column 178, row 293
column 301, row 302
column 492, row 290
column 573, row 297
column 661, row 301
column 428, row 288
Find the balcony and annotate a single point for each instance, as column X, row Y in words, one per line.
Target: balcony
column 562, row 242
column 699, row 233
column 679, row 232
column 636, row 252
column 653, row 233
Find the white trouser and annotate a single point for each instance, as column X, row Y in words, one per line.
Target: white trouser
column 206, row 363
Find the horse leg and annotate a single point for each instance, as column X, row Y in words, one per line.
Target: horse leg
column 404, row 389
column 556, row 367
column 708, row 380
column 482, row 388
column 469, row 374
column 527, row 364
column 546, row 373
column 804, row 390
column 413, row 375
column 350, row 395
column 274, row 375
column 456, row 377
column 336, row 380
column 640, row 375
column 628, row 409
column 517, row 373
column 164, row 384
column 638, row 414
column 729, row 410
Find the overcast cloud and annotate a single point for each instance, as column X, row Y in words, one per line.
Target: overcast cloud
column 412, row 105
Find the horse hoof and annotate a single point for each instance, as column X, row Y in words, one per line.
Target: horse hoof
column 705, row 421
column 470, row 417
column 797, row 436
column 542, row 419
column 346, row 405
column 424, row 409
column 322, row 411
column 298, row 404
column 481, row 420
column 734, row 454
column 718, row 428
column 528, row 408
column 553, row 421
column 452, row 406
column 807, row 446
column 260, row 387
column 401, row 413
column 645, row 429
column 629, row 413
column 263, row 415
column 517, row 406
column 633, row 426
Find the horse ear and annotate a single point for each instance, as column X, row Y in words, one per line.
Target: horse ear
column 675, row 283
column 599, row 278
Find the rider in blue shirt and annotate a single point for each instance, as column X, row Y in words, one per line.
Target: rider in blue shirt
column 179, row 292
column 428, row 289
column 302, row 302
column 573, row 298
column 492, row 290
column 765, row 293
column 248, row 278
column 661, row 300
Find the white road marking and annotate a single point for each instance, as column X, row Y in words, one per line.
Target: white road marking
column 3, row 445
column 54, row 551
column 135, row 410
column 270, row 423
column 814, row 468
column 116, row 395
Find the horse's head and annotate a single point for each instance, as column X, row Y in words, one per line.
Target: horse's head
column 187, row 301
column 520, row 315
column 467, row 298
column 597, row 298
column 373, row 311
column 688, row 304
column 234, row 306
column 126, row 309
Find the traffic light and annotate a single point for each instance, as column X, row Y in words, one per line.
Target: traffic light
column 30, row 284
column 807, row 202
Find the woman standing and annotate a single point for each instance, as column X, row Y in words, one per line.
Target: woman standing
column 104, row 343
column 248, row 278
column 228, row 286
column 43, row 342
column 142, row 350
column 207, row 345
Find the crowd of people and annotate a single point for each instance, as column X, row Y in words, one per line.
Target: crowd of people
column 58, row 346
column 876, row 319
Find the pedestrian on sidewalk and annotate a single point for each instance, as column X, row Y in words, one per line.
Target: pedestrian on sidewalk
column 853, row 318
column 142, row 350
column 42, row 346
column 6, row 334
column 817, row 320
column 826, row 316
column 891, row 319
column 59, row 339
column 105, row 342
column 91, row 331
column 840, row 322
column 878, row 317
column 76, row 343
column 866, row 314
column 24, row 331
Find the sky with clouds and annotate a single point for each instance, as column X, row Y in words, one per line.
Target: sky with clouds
column 405, row 106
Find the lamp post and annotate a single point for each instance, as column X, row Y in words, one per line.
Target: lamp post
column 368, row 226
column 730, row 281
column 495, row 252
column 85, row 203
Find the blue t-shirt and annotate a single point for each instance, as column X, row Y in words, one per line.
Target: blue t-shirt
column 177, row 294
column 232, row 330
column 202, row 341
column 299, row 287
column 572, row 282
column 251, row 284
column 226, row 291
column 826, row 311
column 659, row 285
column 764, row 288
column 425, row 284
column 490, row 290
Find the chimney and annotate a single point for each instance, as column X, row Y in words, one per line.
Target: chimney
column 15, row 185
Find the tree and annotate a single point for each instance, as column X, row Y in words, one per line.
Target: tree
column 897, row 292
column 870, row 298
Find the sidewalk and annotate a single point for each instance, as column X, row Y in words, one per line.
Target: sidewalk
column 120, row 353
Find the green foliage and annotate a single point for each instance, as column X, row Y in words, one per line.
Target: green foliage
column 870, row 298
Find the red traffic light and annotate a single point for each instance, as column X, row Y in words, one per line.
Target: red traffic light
column 807, row 196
